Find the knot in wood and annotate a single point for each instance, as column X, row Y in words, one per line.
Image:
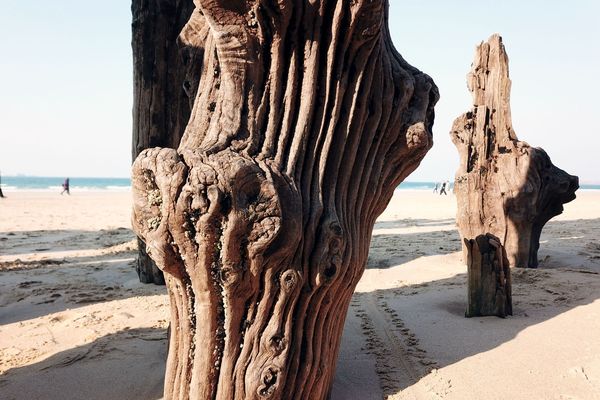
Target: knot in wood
column 269, row 381
column 277, row 344
column 331, row 258
column 289, row 280
column 229, row 275
column 417, row 136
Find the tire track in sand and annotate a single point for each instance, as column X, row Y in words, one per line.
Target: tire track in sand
column 400, row 362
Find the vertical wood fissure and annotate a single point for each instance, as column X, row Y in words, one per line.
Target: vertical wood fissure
column 302, row 117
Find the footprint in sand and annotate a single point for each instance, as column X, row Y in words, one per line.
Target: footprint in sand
column 28, row 284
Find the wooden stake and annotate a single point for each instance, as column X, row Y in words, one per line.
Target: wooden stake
column 489, row 282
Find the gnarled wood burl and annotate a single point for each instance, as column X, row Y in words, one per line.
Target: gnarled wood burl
column 304, row 120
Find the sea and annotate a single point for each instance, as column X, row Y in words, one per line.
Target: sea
column 53, row 184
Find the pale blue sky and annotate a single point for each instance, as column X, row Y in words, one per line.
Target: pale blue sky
column 65, row 79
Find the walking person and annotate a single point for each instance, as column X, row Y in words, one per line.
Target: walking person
column 1, row 194
column 443, row 188
column 435, row 189
column 65, row 186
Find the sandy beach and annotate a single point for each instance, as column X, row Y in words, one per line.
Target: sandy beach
column 75, row 323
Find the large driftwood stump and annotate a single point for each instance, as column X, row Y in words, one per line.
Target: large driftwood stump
column 305, row 121
column 503, row 186
column 489, row 284
column 161, row 106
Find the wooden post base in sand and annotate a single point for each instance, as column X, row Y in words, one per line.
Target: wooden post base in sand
column 489, row 278
column 146, row 268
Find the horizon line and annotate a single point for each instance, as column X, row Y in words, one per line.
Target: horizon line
column 583, row 182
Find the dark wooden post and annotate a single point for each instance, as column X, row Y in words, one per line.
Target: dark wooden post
column 161, row 107
column 489, row 283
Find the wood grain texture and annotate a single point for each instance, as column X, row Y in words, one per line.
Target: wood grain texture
column 489, row 282
column 503, row 186
column 304, row 121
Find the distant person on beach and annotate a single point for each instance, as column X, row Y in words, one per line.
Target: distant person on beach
column 443, row 188
column 65, row 186
column 435, row 189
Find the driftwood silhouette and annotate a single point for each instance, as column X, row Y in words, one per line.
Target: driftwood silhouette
column 503, row 186
column 304, row 121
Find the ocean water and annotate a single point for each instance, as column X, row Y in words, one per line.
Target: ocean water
column 431, row 185
column 41, row 183
column 37, row 183
column 416, row 186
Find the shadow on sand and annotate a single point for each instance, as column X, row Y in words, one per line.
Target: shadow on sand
column 388, row 250
column 45, row 241
column 128, row 364
column 391, row 322
column 96, row 271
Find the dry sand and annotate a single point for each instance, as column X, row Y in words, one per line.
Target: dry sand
column 75, row 323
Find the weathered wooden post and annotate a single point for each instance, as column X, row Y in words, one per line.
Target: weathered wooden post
column 304, row 121
column 503, row 186
column 489, row 283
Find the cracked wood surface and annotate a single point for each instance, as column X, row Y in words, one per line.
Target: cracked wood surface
column 304, row 120
column 503, row 186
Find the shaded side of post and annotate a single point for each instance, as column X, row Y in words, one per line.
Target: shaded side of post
column 161, row 106
column 489, row 282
